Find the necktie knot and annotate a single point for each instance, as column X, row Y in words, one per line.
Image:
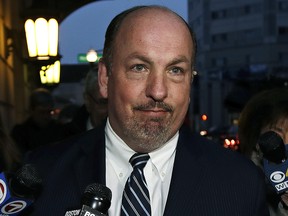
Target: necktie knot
column 139, row 160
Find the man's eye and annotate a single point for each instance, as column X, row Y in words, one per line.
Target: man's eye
column 177, row 71
column 138, row 68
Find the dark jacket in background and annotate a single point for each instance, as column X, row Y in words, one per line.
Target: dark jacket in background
column 29, row 136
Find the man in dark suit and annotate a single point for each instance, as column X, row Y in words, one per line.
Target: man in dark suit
column 146, row 72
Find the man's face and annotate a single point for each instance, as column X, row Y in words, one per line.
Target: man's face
column 149, row 86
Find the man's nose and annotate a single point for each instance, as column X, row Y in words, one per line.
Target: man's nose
column 157, row 86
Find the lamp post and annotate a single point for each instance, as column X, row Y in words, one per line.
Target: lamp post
column 42, row 43
column 42, row 38
column 50, row 74
column 91, row 56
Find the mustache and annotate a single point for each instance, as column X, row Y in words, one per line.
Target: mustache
column 153, row 105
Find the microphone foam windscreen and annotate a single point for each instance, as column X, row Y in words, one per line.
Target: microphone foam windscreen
column 26, row 181
column 272, row 146
column 97, row 196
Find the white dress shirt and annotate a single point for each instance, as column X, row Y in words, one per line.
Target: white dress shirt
column 158, row 171
column 89, row 125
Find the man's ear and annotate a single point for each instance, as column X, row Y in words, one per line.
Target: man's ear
column 103, row 79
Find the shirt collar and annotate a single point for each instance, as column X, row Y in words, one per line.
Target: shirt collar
column 89, row 125
column 119, row 152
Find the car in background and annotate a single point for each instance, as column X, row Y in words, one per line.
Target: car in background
column 226, row 136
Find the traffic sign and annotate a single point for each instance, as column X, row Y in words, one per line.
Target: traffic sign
column 82, row 57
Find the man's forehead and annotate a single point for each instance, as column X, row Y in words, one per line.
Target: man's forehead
column 150, row 13
column 144, row 29
column 154, row 19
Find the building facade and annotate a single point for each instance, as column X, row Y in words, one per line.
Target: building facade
column 13, row 79
column 239, row 41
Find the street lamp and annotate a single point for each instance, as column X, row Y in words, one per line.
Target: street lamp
column 42, row 38
column 50, row 74
column 91, row 56
column 42, row 43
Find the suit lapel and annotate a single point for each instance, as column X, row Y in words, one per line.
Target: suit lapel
column 186, row 171
column 90, row 165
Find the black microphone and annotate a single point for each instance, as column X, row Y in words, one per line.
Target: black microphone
column 275, row 161
column 272, row 147
column 18, row 191
column 96, row 201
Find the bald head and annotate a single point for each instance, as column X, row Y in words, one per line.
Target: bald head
column 141, row 15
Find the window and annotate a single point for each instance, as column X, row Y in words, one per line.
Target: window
column 283, row 31
column 221, row 14
column 219, row 38
column 283, row 56
column 247, row 9
column 283, row 6
column 219, row 62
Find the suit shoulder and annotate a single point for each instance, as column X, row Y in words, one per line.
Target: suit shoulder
column 47, row 156
column 216, row 155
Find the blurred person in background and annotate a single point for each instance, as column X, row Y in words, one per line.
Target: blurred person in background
column 94, row 110
column 95, row 104
column 265, row 111
column 40, row 127
column 10, row 157
column 67, row 113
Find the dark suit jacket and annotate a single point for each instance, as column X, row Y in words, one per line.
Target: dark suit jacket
column 207, row 179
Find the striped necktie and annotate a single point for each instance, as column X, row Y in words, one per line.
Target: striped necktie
column 135, row 200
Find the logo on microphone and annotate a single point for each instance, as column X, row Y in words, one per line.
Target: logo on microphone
column 277, row 176
column 13, row 207
column 3, row 191
column 279, row 180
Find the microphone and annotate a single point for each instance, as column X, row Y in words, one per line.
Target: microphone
column 272, row 147
column 275, row 161
column 19, row 190
column 95, row 201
